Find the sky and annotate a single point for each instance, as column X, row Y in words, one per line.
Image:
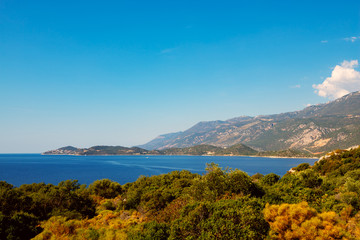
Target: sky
column 86, row 73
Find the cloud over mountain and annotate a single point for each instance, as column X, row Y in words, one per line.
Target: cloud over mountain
column 344, row 79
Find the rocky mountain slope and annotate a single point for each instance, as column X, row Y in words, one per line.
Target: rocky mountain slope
column 315, row 129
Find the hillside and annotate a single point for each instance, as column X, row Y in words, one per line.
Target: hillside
column 309, row 202
column 315, row 129
column 286, row 153
column 100, row 150
column 238, row 149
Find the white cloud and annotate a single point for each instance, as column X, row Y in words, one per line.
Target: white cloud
column 351, row 39
column 296, row 86
column 344, row 79
column 324, row 41
column 350, row 64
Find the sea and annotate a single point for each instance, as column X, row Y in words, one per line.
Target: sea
column 18, row 169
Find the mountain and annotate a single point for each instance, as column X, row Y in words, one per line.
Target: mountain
column 315, row 129
column 286, row 153
column 100, row 150
column 160, row 139
column 238, row 149
column 68, row 150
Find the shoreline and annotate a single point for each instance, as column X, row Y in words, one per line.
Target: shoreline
column 178, row 155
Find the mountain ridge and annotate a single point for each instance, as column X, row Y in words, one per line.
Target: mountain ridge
column 209, row 150
column 315, row 129
column 198, row 150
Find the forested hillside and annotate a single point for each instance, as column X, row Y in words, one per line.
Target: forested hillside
column 308, row 202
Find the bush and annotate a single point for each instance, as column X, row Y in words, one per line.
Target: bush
column 270, row 179
column 150, row 231
column 105, row 188
column 302, row 167
column 224, row 219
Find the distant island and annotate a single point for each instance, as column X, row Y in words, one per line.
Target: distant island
column 198, row 150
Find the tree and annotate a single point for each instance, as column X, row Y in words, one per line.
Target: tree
column 105, row 188
column 224, row 219
column 270, row 179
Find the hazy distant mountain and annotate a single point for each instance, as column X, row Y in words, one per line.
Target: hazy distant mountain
column 317, row 128
column 238, row 149
column 160, row 139
column 100, row 150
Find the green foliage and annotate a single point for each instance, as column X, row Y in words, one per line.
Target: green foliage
column 150, row 231
column 217, row 182
column 215, row 179
column 339, row 162
column 270, row 179
column 257, row 177
column 92, row 234
column 224, row 219
column 221, row 204
column 24, row 207
column 302, row 167
column 310, row 179
column 156, row 192
column 19, row 225
column 105, row 188
column 239, row 182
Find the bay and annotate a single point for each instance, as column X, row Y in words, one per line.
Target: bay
column 20, row 169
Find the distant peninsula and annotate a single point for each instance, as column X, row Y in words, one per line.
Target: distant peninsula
column 198, row 150
column 101, row 150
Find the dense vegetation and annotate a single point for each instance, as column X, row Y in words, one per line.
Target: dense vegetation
column 320, row 201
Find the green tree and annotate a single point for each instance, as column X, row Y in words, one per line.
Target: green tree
column 105, row 188
column 270, row 179
column 224, row 219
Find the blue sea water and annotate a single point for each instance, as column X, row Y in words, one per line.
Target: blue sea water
column 20, row 169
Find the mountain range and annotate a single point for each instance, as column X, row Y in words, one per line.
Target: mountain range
column 101, row 150
column 315, row 129
column 238, row 149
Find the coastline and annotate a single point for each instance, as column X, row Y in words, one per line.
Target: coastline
column 212, row 155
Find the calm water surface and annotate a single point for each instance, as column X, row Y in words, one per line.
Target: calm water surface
column 20, row 169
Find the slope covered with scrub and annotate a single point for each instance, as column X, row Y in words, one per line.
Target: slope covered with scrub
column 309, row 201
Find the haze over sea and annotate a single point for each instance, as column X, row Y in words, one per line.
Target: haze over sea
column 20, row 169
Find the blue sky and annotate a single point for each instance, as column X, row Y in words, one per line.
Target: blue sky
column 89, row 73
